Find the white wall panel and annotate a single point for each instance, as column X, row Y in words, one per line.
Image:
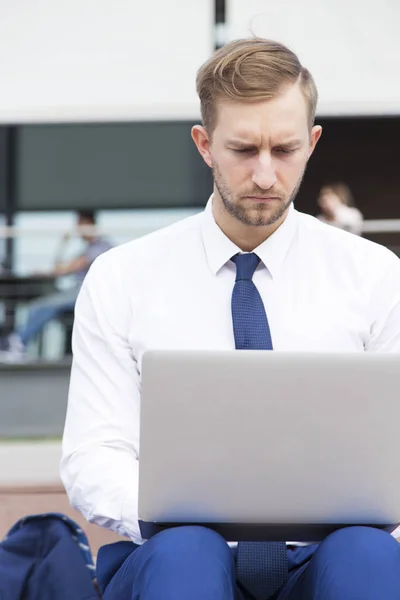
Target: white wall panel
column 352, row 47
column 101, row 59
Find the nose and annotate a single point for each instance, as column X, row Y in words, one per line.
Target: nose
column 264, row 174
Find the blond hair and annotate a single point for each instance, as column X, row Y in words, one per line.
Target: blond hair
column 251, row 70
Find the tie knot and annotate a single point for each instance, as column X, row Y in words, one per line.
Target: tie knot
column 246, row 264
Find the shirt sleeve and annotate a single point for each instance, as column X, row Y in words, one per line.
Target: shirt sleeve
column 385, row 306
column 99, row 465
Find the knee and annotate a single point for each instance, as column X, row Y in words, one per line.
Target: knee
column 38, row 310
column 359, row 543
column 35, row 309
column 185, row 562
column 187, row 542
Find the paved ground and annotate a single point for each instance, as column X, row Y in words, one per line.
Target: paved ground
column 30, row 483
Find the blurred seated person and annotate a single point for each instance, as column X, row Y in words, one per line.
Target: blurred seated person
column 337, row 208
column 50, row 307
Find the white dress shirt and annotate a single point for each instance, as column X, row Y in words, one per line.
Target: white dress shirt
column 323, row 290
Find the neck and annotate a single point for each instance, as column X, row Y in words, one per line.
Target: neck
column 329, row 215
column 246, row 237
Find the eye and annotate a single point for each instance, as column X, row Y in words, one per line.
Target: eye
column 243, row 150
column 285, row 151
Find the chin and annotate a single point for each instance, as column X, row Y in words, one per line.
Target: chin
column 263, row 218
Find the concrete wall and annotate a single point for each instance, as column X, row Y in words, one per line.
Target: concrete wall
column 102, row 59
column 33, row 399
column 351, row 48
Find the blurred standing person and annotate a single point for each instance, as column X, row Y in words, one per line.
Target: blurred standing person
column 45, row 309
column 2, row 245
column 337, row 208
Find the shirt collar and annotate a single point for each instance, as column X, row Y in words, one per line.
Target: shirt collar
column 220, row 249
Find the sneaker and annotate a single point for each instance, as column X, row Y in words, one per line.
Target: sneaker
column 12, row 350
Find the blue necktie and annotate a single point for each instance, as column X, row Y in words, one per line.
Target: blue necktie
column 250, row 323
column 261, row 566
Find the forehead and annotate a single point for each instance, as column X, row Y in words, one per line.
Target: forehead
column 283, row 116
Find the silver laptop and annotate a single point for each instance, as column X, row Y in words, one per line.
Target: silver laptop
column 269, row 445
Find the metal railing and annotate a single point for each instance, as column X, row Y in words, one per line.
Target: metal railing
column 370, row 226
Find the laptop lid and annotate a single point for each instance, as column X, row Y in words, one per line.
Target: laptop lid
column 298, row 443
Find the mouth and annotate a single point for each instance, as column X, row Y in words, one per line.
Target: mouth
column 262, row 198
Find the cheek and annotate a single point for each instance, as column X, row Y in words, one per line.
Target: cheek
column 233, row 168
column 228, row 160
column 240, row 174
column 290, row 171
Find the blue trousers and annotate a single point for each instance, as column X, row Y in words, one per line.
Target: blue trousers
column 194, row 563
column 45, row 309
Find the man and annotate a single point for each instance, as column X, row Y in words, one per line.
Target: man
column 45, row 309
column 322, row 289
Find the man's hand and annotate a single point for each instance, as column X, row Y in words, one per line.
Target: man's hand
column 66, row 237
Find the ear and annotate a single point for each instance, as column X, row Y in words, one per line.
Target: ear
column 316, row 133
column 202, row 141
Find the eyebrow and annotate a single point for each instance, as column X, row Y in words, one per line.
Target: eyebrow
column 244, row 144
column 290, row 143
column 240, row 142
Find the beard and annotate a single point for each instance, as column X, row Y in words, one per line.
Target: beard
column 259, row 214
